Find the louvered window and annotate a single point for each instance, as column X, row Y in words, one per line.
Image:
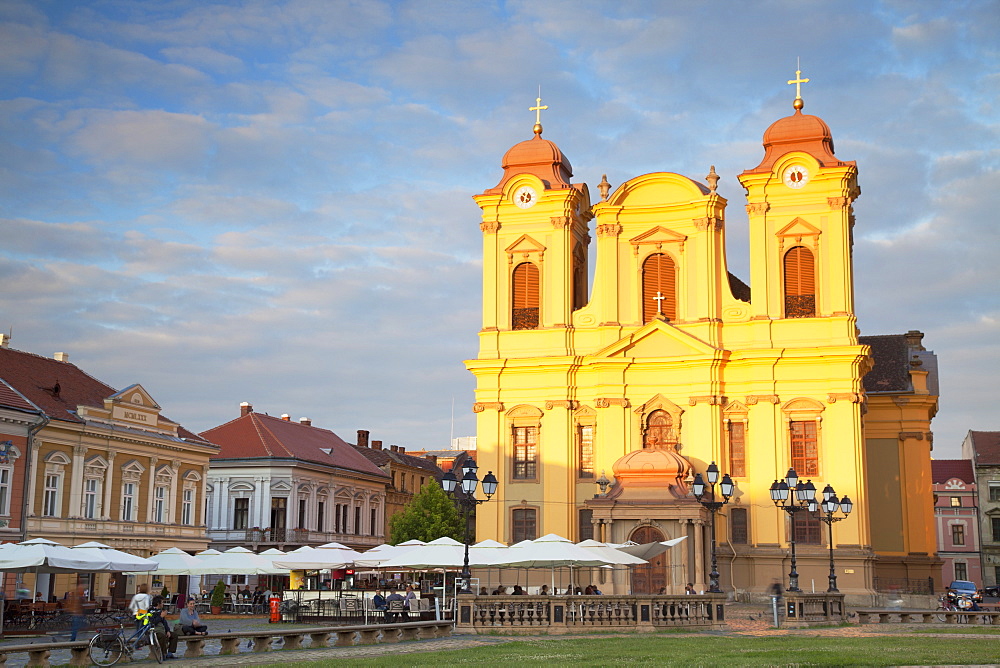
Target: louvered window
column 525, row 452
column 737, row 449
column 800, row 283
column 805, row 452
column 524, row 311
column 659, row 287
column 660, row 430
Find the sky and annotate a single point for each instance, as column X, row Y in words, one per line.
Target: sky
column 271, row 201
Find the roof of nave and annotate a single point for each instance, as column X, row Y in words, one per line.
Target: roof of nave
column 258, row 435
column 986, row 445
column 56, row 387
column 382, row 457
column 943, row 470
column 895, row 355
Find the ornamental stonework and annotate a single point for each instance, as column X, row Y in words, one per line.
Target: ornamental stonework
column 567, row 404
column 608, row 402
column 710, row 399
column 853, row 397
column 754, row 398
column 709, row 223
column 487, row 405
column 559, row 222
column 758, row 208
column 490, row 227
column 609, row 230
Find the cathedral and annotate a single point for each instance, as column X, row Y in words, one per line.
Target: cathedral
column 598, row 405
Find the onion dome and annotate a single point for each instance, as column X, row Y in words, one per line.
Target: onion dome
column 798, row 132
column 653, row 469
column 539, row 157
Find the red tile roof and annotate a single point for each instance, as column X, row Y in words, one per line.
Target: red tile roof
column 256, row 435
column 57, row 388
column 986, row 445
column 943, row 470
column 11, row 398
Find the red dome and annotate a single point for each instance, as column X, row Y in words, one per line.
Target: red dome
column 539, row 157
column 798, row 132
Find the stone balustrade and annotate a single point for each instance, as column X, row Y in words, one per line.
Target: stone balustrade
column 566, row 614
column 893, row 615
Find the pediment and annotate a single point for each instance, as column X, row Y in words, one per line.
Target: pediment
column 799, row 228
column 525, row 245
column 281, row 486
column 658, row 338
column 135, row 395
column 658, row 236
column 735, row 407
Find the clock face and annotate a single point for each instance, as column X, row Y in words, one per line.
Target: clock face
column 525, row 197
column 796, row 176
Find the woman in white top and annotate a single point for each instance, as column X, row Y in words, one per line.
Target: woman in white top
column 139, row 602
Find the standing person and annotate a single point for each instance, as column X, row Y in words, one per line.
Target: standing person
column 140, row 604
column 190, row 623
column 76, row 610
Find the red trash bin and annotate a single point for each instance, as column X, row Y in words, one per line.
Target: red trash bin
column 275, row 606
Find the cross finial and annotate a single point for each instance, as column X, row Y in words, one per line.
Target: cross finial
column 538, row 111
column 798, row 81
column 659, row 302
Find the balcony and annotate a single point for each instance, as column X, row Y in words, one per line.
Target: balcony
column 277, row 537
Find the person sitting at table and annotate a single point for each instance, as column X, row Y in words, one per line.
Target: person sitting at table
column 500, row 591
column 483, row 591
column 517, row 591
column 544, row 591
column 410, row 600
column 393, row 616
column 379, row 602
column 246, row 593
column 189, row 623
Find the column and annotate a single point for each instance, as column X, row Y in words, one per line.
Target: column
column 257, row 513
column 109, row 475
column 216, row 519
column 172, row 513
column 699, row 552
column 265, row 502
column 204, row 498
column 292, row 519
column 76, row 482
column 33, row 480
column 153, row 461
column 313, row 507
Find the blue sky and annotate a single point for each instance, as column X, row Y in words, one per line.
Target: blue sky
column 270, row 201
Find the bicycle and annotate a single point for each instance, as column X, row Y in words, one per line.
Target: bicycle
column 108, row 647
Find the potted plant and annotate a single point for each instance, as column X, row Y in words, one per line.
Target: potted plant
column 218, row 597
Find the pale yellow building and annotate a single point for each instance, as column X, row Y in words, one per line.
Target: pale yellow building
column 670, row 362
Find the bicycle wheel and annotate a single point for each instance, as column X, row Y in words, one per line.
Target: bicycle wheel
column 156, row 650
column 106, row 650
column 940, row 614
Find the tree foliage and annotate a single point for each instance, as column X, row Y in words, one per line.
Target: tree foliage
column 430, row 515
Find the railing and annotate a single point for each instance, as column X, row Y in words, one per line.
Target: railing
column 904, row 585
column 297, row 536
column 563, row 614
column 342, row 636
column 803, row 609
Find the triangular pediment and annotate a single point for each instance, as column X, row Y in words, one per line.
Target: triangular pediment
column 135, row 395
column 799, row 228
column 658, row 338
column 525, row 244
column 658, row 235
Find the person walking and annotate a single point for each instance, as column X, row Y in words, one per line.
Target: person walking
column 139, row 604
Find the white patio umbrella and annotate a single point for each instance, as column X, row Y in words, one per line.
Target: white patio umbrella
column 173, row 561
column 375, row 557
column 117, row 560
column 647, row 550
column 614, row 555
column 41, row 555
column 237, row 561
column 446, row 553
column 318, row 558
column 552, row 551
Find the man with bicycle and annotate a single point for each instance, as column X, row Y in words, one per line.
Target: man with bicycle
column 165, row 638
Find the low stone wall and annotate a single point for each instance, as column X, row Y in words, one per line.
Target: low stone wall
column 572, row 614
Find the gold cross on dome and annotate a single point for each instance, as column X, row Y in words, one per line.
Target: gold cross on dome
column 798, row 81
column 538, row 108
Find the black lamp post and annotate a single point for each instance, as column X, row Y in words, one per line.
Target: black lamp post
column 726, row 488
column 793, row 497
column 829, row 506
column 467, row 499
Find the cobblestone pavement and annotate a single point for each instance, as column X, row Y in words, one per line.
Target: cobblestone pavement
column 741, row 619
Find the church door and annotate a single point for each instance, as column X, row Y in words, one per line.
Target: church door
column 651, row 577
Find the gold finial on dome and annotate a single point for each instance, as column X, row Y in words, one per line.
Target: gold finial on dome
column 538, row 112
column 798, row 81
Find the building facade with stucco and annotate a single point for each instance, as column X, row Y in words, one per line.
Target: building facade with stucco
column 668, row 362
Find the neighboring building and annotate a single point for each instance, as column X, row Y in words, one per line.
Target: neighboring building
column 104, row 465
column 445, row 459
column 671, row 362
column 983, row 448
column 956, row 518
column 278, row 483
column 407, row 473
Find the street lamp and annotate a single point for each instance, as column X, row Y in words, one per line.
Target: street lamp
column 793, row 497
column 726, row 488
column 467, row 500
column 829, row 506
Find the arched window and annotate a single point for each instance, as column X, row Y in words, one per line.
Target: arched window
column 660, row 430
column 800, row 283
column 524, row 310
column 659, row 287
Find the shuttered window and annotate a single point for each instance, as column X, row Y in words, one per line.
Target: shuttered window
column 805, row 451
column 800, row 283
column 737, row 449
column 524, row 300
column 659, row 280
column 585, row 447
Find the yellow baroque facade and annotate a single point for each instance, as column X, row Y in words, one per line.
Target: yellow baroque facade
column 671, row 363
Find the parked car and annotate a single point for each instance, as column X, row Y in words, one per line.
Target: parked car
column 992, row 591
column 966, row 588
